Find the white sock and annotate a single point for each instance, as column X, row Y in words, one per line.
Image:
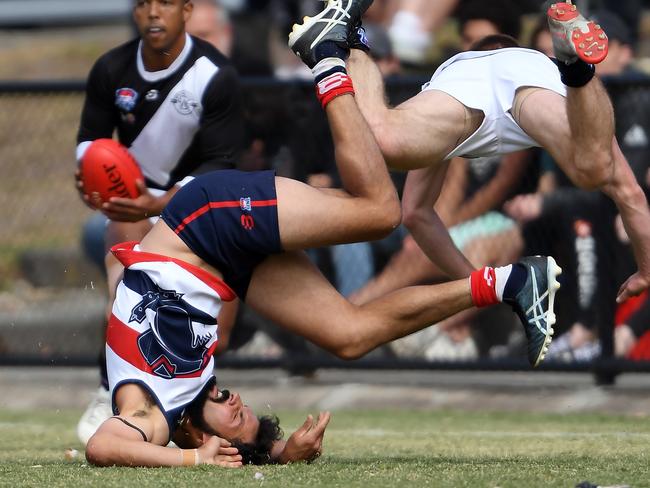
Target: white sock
column 502, row 274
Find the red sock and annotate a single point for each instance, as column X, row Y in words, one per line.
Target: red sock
column 483, row 283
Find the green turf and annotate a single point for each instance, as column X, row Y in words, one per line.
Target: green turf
column 363, row 449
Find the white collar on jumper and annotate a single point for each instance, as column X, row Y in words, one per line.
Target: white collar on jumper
column 152, row 76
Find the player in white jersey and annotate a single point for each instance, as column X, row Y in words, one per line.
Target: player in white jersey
column 498, row 101
column 231, row 233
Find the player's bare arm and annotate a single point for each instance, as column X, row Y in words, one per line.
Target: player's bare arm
column 135, row 209
column 631, row 202
column 139, row 434
column 420, row 195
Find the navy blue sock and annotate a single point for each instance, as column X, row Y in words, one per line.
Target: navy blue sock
column 515, row 283
column 329, row 49
column 576, row 74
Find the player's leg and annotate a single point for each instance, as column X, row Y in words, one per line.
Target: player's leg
column 418, row 133
column 367, row 207
column 290, row 291
column 586, row 116
column 590, row 165
column 579, row 132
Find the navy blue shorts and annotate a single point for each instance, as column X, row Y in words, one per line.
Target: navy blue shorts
column 230, row 220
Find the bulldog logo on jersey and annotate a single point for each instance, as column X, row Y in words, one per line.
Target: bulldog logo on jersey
column 153, row 299
column 180, row 338
column 184, row 102
column 126, row 98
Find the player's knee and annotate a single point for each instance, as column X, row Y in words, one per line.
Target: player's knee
column 594, row 172
column 388, row 144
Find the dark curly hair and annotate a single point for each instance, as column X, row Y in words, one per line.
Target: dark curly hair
column 257, row 452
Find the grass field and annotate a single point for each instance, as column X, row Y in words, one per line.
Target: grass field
column 367, row 449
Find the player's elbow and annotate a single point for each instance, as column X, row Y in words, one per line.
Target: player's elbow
column 390, row 215
column 351, row 347
column 98, row 452
column 349, row 352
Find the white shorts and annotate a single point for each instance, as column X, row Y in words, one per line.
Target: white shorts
column 488, row 81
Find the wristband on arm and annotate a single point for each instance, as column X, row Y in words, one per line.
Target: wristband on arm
column 190, row 457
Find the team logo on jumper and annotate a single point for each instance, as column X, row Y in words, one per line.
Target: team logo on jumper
column 177, row 342
column 126, row 98
column 152, row 95
column 245, row 204
column 184, row 103
column 152, row 299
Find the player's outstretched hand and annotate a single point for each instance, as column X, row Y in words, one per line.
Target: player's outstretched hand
column 306, row 443
column 634, row 285
column 134, row 210
column 219, row 452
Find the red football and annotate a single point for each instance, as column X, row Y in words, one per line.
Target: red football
column 108, row 168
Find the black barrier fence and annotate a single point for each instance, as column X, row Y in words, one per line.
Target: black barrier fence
column 52, row 296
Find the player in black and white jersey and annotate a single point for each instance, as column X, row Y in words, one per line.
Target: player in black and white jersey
column 174, row 102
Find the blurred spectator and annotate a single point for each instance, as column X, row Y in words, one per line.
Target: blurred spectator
column 413, row 24
column 210, row 21
column 619, row 61
column 540, row 37
column 478, row 19
column 382, row 50
column 250, row 51
column 628, row 12
column 350, row 265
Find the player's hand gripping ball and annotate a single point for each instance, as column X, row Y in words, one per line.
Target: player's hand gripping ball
column 107, row 168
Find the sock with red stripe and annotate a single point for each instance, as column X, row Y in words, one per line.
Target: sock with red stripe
column 331, row 76
column 494, row 285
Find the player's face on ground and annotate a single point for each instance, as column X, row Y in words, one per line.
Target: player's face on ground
column 161, row 23
column 229, row 417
